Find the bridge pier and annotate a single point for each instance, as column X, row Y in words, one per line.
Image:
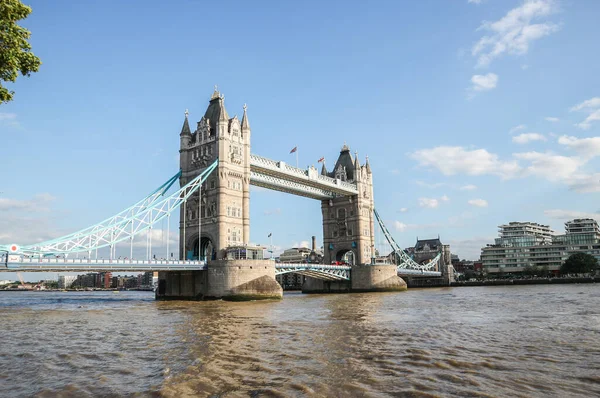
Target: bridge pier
column 364, row 278
column 376, row 278
column 236, row 280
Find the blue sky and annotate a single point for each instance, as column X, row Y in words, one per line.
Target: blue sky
column 473, row 113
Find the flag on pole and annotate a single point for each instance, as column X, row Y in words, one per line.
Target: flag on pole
column 270, row 233
column 294, row 149
column 321, row 160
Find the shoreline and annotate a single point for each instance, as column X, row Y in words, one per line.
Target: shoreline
column 77, row 290
column 519, row 282
column 493, row 282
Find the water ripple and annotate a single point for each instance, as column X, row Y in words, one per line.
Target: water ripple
column 517, row 341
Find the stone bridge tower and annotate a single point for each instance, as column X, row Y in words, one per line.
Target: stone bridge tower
column 224, row 209
column 348, row 224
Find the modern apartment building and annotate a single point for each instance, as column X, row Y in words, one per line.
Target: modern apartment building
column 524, row 244
column 65, row 281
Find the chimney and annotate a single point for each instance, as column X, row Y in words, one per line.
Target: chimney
column 314, row 243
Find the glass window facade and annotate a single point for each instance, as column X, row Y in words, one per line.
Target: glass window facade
column 523, row 245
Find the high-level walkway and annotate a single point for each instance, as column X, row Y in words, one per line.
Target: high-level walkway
column 280, row 176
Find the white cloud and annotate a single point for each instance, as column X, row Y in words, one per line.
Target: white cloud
column 400, row 226
column 159, row 240
column 513, row 33
column 478, row 202
column 26, row 221
column 7, row 116
column 474, row 1
column 484, row 82
column 303, row 243
column 592, row 108
column 469, row 187
column 524, row 66
column 38, row 203
column 592, row 117
column 552, row 119
column 592, row 103
column 469, row 249
column 528, row 137
column 517, row 128
column 430, row 185
column 570, row 214
column 271, row 212
column 586, row 147
column 403, row 210
column 585, row 183
column 452, row 160
column 429, row 203
column 550, row 166
column 394, row 171
column 9, row 119
column 432, row 203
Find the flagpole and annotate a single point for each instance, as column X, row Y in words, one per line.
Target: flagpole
column 271, row 237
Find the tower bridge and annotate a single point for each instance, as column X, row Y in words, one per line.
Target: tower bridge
column 216, row 259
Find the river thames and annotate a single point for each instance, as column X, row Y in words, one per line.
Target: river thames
column 517, row 341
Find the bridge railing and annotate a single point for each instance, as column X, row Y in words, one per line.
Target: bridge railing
column 315, row 266
column 103, row 261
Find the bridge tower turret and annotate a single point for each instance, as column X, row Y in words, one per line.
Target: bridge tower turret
column 348, row 225
column 223, row 210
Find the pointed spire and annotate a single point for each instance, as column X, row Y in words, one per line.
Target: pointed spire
column 345, row 148
column 245, row 122
column 185, row 130
column 216, row 93
column 368, row 166
column 216, row 111
column 356, row 167
column 324, row 170
column 223, row 114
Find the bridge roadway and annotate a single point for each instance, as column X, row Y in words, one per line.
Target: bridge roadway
column 319, row 271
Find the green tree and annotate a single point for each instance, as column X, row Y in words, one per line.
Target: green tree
column 15, row 51
column 500, row 274
column 579, row 263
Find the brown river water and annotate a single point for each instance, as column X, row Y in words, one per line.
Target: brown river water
column 505, row 341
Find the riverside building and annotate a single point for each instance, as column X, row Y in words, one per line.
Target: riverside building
column 65, row 281
column 524, row 245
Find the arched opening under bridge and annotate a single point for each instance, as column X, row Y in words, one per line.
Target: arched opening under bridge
column 345, row 256
column 205, row 250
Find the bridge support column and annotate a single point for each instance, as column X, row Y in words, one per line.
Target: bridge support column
column 240, row 280
column 181, row 285
column 312, row 285
column 363, row 278
column 376, row 278
column 236, row 280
